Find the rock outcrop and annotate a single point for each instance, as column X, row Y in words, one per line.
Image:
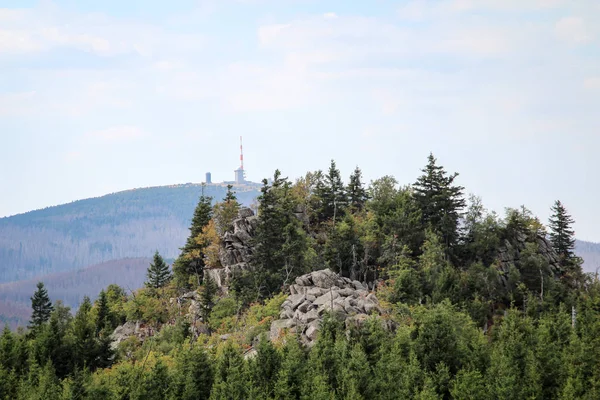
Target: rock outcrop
column 236, row 251
column 510, row 254
column 318, row 292
column 136, row 329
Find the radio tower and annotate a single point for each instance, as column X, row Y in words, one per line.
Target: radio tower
column 240, row 173
column 241, row 155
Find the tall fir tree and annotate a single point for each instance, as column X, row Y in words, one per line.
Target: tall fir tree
column 102, row 313
column 230, row 195
column 332, row 195
column 41, row 307
column 158, row 273
column 440, row 200
column 357, row 194
column 562, row 235
column 208, row 297
column 191, row 260
column 280, row 242
column 85, row 344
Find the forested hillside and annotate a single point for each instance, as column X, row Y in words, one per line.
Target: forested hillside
column 70, row 287
column 334, row 290
column 133, row 223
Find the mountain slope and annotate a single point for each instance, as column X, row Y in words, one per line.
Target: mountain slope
column 590, row 252
column 70, row 287
column 132, row 223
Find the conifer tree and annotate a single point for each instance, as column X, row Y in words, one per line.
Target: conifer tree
column 230, row 195
column 357, row 194
column 191, row 260
column 193, row 376
column 41, row 306
column 280, row 242
column 562, row 235
column 158, row 273
column 85, row 345
column 208, row 297
column 440, row 200
column 103, row 312
column 332, row 195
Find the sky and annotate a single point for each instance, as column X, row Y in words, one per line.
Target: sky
column 98, row 97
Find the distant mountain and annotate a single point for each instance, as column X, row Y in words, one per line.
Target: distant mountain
column 590, row 252
column 127, row 224
column 70, row 287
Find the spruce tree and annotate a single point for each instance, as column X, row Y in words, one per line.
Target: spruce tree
column 357, row 194
column 85, row 344
column 230, row 196
column 332, row 195
column 280, row 242
column 191, row 260
column 440, row 200
column 41, row 306
column 103, row 312
column 208, row 296
column 562, row 235
column 158, row 273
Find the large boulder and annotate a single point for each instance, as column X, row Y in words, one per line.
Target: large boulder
column 314, row 294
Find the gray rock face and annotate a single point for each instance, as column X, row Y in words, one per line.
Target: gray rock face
column 316, row 293
column 509, row 254
column 236, row 251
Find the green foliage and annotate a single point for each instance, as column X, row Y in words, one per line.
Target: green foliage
column 222, row 313
column 357, row 194
column 191, row 260
column 440, row 201
column 280, row 243
column 473, row 308
column 41, row 308
column 158, row 274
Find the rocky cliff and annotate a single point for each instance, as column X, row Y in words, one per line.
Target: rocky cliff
column 236, row 248
column 322, row 291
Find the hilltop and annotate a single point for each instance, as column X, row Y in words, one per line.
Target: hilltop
column 128, row 224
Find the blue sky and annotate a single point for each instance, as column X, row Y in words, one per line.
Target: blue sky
column 97, row 97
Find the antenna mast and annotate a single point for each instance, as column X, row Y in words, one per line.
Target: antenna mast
column 241, row 155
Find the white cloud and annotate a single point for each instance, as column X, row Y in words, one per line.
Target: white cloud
column 572, row 30
column 592, row 83
column 269, row 33
column 330, row 15
column 117, row 134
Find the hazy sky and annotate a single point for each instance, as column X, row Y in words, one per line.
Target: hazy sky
column 102, row 96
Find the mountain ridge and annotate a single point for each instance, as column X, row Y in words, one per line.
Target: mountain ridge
column 131, row 223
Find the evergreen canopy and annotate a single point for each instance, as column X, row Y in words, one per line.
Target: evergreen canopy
column 158, row 273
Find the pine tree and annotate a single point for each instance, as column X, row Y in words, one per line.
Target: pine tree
column 230, row 196
column 85, row 344
column 191, row 260
column 332, row 195
column 158, row 273
column 440, row 201
column 193, row 377
column 41, row 306
column 357, row 194
column 280, row 242
column 562, row 235
column 208, row 296
column 103, row 312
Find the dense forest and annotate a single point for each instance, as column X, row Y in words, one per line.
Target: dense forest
column 472, row 305
column 83, row 233
column 70, row 287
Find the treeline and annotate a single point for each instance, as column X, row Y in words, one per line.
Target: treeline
column 70, row 287
column 478, row 306
column 435, row 352
column 127, row 224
